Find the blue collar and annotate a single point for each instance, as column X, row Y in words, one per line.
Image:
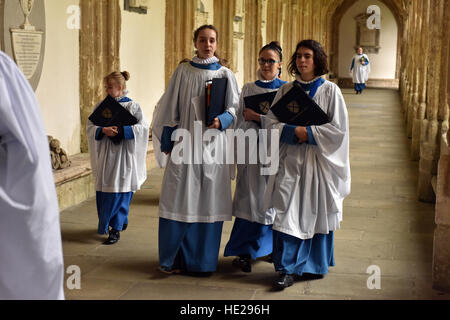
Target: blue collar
column 312, row 87
column 275, row 84
column 125, row 99
column 211, row 66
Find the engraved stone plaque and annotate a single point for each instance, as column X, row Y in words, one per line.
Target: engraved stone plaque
column 22, row 35
column 27, row 50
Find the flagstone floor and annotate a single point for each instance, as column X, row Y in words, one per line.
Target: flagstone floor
column 384, row 229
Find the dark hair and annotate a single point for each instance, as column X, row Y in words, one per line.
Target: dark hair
column 320, row 58
column 223, row 62
column 274, row 46
column 203, row 27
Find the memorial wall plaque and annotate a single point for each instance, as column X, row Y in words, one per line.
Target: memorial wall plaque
column 22, row 35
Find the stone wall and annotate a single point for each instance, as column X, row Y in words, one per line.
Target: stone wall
column 424, row 88
column 99, row 53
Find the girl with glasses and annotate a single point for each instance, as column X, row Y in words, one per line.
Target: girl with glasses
column 251, row 236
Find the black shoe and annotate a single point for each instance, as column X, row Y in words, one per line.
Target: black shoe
column 168, row 270
column 284, row 280
column 114, row 236
column 125, row 226
column 243, row 263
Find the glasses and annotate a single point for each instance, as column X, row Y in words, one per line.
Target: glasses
column 270, row 62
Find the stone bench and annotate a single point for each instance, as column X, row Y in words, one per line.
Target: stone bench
column 75, row 184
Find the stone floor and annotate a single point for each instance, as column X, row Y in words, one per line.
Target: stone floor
column 384, row 226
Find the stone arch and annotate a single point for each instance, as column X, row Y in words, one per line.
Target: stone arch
column 337, row 11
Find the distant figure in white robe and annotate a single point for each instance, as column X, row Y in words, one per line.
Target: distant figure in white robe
column 314, row 174
column 31, row 257
column 251, row 237
column 196, row 192
column 119, row 165
column 359, row 70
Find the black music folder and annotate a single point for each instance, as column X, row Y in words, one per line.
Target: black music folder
column 260, row 103
column 215, row 99
column 297, row 108
column 111, row 113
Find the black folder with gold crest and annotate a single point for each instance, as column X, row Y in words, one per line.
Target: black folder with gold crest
column 110, row 113
column 297, row 108
column 216, row 90
column 260, row 103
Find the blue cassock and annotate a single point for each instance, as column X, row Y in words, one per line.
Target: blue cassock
column 249, row 238
column 292, row 255
column 192, row 247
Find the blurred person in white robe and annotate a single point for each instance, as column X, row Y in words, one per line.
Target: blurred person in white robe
column 359, row 70
column 31, row 257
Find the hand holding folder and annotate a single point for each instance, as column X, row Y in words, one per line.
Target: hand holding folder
column 216, row 90
column 260, row 103
column 110, row 113
column 297, row 108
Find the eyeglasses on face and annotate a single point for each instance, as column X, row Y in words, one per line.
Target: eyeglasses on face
column 270, row 62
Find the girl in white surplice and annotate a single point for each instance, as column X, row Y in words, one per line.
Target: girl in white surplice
column 251, row 237
column 119, row 167
column 195, row 196
column 314, row 174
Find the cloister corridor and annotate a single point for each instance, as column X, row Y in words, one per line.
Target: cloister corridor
column 384, row 225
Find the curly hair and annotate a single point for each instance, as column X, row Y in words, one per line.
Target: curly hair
column 320, row 58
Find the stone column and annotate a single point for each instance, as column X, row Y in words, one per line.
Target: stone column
column 413, row 96
column 274, row 20
column 179, row 45
column 290, row 35
column 409, row 57
column 405, row 52
column 429, row 149
column 253, row 38
column 419, row 108
column 441, row 252
column 99, row 53
column 224, row 13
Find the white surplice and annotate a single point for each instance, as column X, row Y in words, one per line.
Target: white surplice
column 194, row 191
column 120, row 167
column 251, row 186
column 360, row 73
column 313, row 180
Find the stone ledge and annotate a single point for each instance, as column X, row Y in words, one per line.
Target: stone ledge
column 75, row 184
column 80, row 167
